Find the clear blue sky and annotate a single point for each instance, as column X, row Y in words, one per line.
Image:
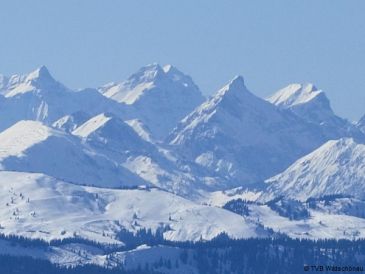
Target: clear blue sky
column 87, row 43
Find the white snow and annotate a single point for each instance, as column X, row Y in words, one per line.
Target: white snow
column 91, row 125
column 337, row 167
column 246, row 139
column 31, row 146
column 294, row 94
column 220, row 198
column 122, row 95
column 39, row 206
column 140, row 129
column 319, row 226
column 23, row 135
column 158, row 97
column 57, row 144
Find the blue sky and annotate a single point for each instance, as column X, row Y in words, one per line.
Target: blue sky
column 87, row 43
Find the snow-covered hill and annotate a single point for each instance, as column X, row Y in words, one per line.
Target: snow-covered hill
column 240, row 136
column 39, row 206
column 159, row 97
column 337, row 167
column 33, row 147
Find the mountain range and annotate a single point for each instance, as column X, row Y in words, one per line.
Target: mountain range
column 151, row 153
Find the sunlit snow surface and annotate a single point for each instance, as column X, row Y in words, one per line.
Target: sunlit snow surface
column 37, row 205
column 150, row 152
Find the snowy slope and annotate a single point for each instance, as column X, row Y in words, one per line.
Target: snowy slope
column 299, row 94
column 37, row 96
column 312, row 104
column 337, row 167
column 110, row 132
column 39, row 206
column 320, row 225
column 70, row 122
column 239, row 135
column 142, row 130
column 159, row 97
column 118, row 141
column 31, row 146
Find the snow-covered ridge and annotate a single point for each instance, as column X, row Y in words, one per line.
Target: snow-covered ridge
column 70, row 122
column 20, row 137
column 91, row 125
column 158, row 97
column 240, row 136
column 37, row 96
column 294, row 94
column 146, row 78
column 337, row 167
column 312, row 105
column 35, row 80
column 221, row 149
column 33, row 147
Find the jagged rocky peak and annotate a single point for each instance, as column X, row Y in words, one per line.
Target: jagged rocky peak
column 309, row 103
column 41, row 73
column 146, row 78
column 37, row 80
column 150, row 73
column 158, row 96
column 174, row 74
column 236, row 87
column 236, row 98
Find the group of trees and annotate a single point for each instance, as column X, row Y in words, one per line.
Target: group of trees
column 220, row 255
column 289, row 208
column 28, row 265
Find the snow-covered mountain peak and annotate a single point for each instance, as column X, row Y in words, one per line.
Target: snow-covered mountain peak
column 168, row 67
column 235, row 86
column 337, row 167
column 133, row 88
column 152, row 92
column 295, row 94
column 110, row 132
column 146, row 74
column 237, row 134
column 41, row 73
column 234, row 97
column 39, row 80
column 312, row 104
column 175, row 75
column 147, row 78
